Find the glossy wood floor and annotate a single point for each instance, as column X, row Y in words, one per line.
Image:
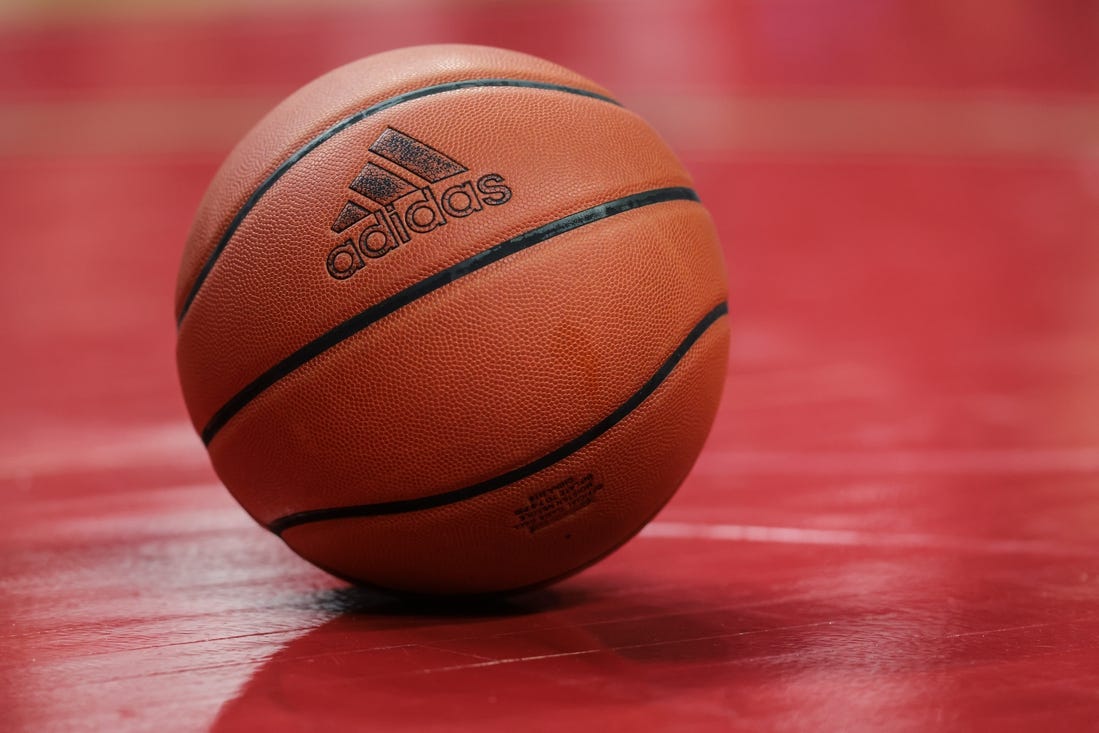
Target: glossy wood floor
column 894, row 525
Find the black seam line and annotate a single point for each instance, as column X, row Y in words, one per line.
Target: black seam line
column 383, row 308
column 282, row 524
column 342, row 125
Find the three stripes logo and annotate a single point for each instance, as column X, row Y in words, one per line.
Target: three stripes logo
column 403, row 196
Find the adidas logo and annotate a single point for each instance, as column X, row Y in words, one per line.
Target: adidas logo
column 404, row 188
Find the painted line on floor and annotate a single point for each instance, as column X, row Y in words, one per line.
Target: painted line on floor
column 893, row 462
column 860, row 538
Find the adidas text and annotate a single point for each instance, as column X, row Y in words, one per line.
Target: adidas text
column 407, row 210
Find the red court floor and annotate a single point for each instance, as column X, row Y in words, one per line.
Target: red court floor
column 893, row 527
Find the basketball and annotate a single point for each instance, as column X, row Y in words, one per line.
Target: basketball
column 452, row 320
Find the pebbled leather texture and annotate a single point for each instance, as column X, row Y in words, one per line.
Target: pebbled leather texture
column 477, row 377
column 330, row 98
column 476, row 547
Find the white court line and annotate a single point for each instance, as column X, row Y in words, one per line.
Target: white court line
column 91, row 447
column 1005, row 461
column 750, row 533
column 859, row 538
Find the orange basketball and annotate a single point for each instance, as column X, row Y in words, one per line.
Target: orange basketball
column 452, row 320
